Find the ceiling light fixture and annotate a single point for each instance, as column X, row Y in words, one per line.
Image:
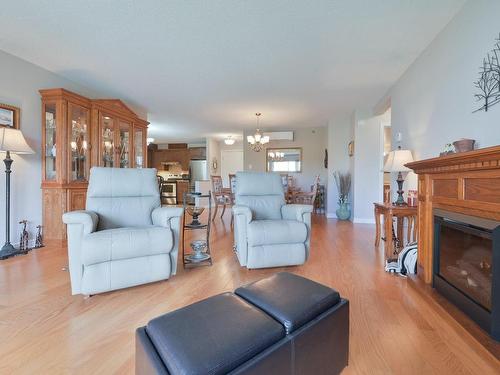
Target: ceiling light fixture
column 150, row 140
column 257, row 141
column 229, row 141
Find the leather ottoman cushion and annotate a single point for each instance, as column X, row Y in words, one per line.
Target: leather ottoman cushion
column 212, row 336
column 290, row 299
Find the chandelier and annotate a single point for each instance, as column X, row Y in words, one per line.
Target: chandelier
column 276, row 156
column 257, row 141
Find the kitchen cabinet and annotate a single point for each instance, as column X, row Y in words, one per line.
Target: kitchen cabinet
column 198, row 153
column 181, row 155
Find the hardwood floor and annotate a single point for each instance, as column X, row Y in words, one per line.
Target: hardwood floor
column 397, row 326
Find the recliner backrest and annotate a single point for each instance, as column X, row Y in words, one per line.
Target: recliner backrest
column 123, row 197
column 261, row 192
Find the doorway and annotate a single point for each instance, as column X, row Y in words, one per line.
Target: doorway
column 387, row 141
column 231, row 162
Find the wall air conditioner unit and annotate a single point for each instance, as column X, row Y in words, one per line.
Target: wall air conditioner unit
column 280, row 136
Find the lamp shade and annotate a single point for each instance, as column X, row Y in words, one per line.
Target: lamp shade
column 396, row 161
column 12, row 140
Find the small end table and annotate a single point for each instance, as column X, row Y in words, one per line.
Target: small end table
column 389, row 211
column 187, row 258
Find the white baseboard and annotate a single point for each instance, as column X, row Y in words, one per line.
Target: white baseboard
column 360, row 220
column 331, row 215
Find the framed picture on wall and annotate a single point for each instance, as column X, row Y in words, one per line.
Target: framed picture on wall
column 9, row 116
column 350, row 148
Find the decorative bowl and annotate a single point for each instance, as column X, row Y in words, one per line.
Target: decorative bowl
column 195, row 210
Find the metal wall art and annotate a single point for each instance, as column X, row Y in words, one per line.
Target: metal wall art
column 488, row 83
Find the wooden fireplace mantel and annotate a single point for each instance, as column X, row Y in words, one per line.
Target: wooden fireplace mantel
column 467, row 183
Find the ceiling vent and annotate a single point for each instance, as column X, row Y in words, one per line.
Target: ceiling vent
column 280, row 136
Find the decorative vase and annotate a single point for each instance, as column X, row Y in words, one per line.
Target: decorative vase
column 464, row 145
column 343, row 212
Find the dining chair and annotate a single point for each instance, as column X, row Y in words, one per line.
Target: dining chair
column 232, row 187
column 302, row 197
column 220, row 195
column 160, row 181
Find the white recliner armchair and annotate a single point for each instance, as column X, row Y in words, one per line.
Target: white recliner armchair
column 124, row 237
column 268, row 232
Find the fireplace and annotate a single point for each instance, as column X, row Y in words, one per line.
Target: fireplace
column 466, row 267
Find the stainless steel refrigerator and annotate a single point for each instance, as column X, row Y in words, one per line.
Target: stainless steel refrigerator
column 198, row 171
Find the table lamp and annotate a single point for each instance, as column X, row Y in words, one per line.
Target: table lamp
column 11, row 141
column 396, row 161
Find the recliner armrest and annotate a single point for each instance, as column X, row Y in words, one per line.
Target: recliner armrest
column 88, row 219
column 295, row 211
column 162, row 215
column 244, row 211
column 170, row 217
column 80, row 224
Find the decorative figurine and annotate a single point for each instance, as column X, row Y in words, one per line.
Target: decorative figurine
column 24, row 240
column 39, row 237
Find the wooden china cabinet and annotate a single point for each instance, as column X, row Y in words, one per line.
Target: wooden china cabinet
column 78, row 133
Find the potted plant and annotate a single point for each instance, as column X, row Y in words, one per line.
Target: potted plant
column 343, row 182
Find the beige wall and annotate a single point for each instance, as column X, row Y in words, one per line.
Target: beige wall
column 433, row 102
column 238, row 145
column 19, row 85
column 339, row 135
column 313, row 142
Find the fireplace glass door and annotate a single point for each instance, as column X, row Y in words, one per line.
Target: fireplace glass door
column 466, row 260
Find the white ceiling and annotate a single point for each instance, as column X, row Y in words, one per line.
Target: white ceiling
column 205, row 67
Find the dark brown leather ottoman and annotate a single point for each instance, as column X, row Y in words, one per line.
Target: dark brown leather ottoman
column 284, row 324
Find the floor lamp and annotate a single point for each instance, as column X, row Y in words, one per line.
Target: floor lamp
column 11, row 141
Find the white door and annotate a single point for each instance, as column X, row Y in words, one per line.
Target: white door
column 231, row 162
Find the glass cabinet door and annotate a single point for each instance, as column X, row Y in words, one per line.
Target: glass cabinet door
column 107, row 141
column 78, row 142
column 138, row 148
column 50, row 142
column 124, row 148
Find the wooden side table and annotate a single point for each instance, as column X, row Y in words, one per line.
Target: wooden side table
column 389, row 211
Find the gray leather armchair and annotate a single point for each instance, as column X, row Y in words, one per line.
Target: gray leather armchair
column 268, row 232
column 124, row 237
